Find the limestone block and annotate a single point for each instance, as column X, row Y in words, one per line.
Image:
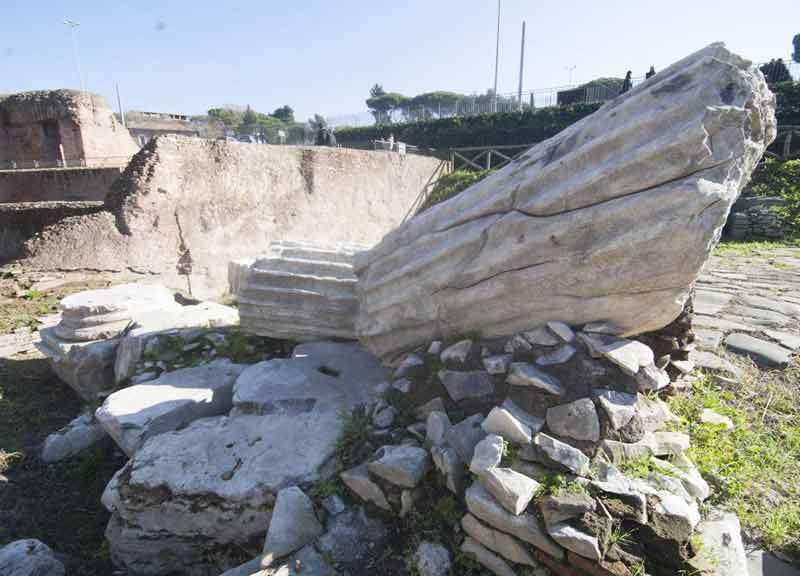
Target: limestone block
column 80, row 434
column 608, row 223
column 293, row 524
column 497, row 541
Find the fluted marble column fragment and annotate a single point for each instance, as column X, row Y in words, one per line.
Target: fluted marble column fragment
column 609, row 222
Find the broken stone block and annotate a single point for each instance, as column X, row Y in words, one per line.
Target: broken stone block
column 524, row 374
column 722, row 552
column 404, row 466
column 497, row 541
column 558, row 356
column 630, row 355
column 554, row 451
column 501, row 422
column 560, row 507
column 619, row 407
column 541, row 336
column 465, row 435
column 456, row 354
column 524, row 526
column 451, row 466
column 136, row 413
column 80, row 434
column 488, row 454
column 512, row 490
column 466, row 385
column 435, row 405
column 529, row 420
column 301, row 293
column 237, row 273
column 293, row 525
column 561, row 330
column 436, row 427
column 672, row 517
column 577, row 420
column 409, row 364
column 497, row 364
column 359, row 481
column 489, row 560
column 576, row 541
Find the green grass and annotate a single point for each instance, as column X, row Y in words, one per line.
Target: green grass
column 644, row 466
column 755, row 468
column 556, row 484
column 753, row 248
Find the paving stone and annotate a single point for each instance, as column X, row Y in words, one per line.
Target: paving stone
column 776, row 305
column 712, row 362
column 708, row 339
column 710, row 303
column 524, row 374
column 723, row 324
column 786, row 339
column 762, row 352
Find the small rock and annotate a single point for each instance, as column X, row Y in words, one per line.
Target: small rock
column 572, row 539
column 451, row 466
column 496, row 541
column 351, row 536
column 629, row 355
column 529, row 420
column 401, row 465
column 143, row 377
column 333, row 504
column 672, row 517
column 435, row 348
column 683, row 366
column 511, row 489
column 456, row 353
column 650, row 377
column 767, row 354
column 407, row 500
column 709, row 416
column 497, row 364
column 358, row 480
column 435, row 405
column 80, row 434
column 557, row 508
column 559, row 356
column 577, row 420
column 517, row 344
column 501, row 422
column 488, row 454
column 403, row 385
column 466, row 385
column 570, row 458
column 293, row 525
column 489, row 560
column 541, row 336
column 524, row 374
column 432, row 559
column 436, row 427
column 385, row 417
column 619, row 407
column 465, row 435
column 29, row 558
column 561, row 330
column 409, row 364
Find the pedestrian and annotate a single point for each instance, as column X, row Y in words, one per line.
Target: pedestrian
column 627, row 83
column 650, row 73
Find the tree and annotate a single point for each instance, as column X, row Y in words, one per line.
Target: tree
column 249, row 117
column 230, row 117
column 775, row 71
column 796, row 44
column 382, row 106
column 284, row 114
column 376, row 90
column 317, row 123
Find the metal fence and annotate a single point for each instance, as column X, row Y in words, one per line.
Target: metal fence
column 476, row 104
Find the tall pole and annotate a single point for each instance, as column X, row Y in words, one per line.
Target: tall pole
column 521, row 65
column 73, row 26
column 119, row 105
column 496, row 59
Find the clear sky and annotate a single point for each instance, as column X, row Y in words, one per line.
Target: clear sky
column 322, row 56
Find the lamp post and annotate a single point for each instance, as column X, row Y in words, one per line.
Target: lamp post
column 496, row 59
column 571, row 70
column 73, row 26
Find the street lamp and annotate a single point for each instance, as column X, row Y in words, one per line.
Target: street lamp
column 73, row 26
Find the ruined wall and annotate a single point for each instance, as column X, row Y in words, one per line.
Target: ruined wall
column 34, row 124
column 201, row 203
column 49, row 185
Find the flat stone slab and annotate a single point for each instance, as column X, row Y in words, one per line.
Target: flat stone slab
column 762, row 352
column 80, row 434
column 710, row 361
column 722, row 549
column 136, row 413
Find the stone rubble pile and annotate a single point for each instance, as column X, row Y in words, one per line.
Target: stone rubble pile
column 607, row 223
column 300, row 292
column 567, row 460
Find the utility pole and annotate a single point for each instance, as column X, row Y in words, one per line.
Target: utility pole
column 496, row 60
column 521, row 65
column 119, row 105
column 73, row 26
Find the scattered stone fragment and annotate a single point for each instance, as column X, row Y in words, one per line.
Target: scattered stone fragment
column 561, row 330
column 691, row 478
column 489, row 560
column 497, row 364
column 409, row 364
column 451, row 466
column 401, row 465
column 358, row 480
column 576, row 541
column 709, row 416
column 619, row 407
column 80, row 434
column 708, row 339
column 524, row 374
column 501, row 422
column 456, row 354
column 385, row 417
column 488, row 454
column 529, row 420
column 560, row 507
column 407, row 500
column 710, row 361
column 541, row 336
column 683, row 366
column 435, row 405
column 652, row 444
column 464, row 435
column 511, row 489
column 435, row 348
column 333, row 504
column 672, row 517
column 466, row 385
column 559, row 356
column 351, row 536
column 561, row 453
column 653, row 413
column 437, row 426
column 293, row 524
column 432, row 559
column 630, row 355
column 764, row 353
column 525, row 526
column 650, row 377
column 29, row 558
column 403, row 385
column 577, row 420
column 497, row 541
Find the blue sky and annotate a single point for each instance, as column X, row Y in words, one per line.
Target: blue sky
column 322, row 56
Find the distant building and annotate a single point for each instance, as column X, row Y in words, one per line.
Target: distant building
column 145, row 126
column 49, row 128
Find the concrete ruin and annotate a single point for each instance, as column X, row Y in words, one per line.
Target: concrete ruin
column 61, row 128
column 185, row 206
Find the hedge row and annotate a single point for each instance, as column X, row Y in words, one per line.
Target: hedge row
column 517, row 127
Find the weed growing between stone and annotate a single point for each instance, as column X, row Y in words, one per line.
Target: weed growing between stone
column 754, row 468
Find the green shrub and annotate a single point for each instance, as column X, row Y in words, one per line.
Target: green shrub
column 451, row 184
column 779, row 178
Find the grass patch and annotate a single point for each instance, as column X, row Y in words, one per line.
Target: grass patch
column 754, row 468
column 355, row 433
column 643, row 466
column 451, row 184
column 556, row 484
column 754, row 247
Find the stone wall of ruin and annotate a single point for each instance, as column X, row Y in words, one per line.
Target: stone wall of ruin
column 51, row 185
